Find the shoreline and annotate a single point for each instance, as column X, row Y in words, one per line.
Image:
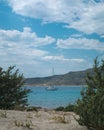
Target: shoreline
column 33, row 85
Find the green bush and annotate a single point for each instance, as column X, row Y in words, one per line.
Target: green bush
column 12, row 92
column 59, row 108
column 70, row 107
column 31, row 108
column 90, row 107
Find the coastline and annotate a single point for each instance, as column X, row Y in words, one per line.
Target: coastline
column 42, row 85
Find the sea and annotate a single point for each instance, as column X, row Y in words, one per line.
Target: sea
column 63, row 96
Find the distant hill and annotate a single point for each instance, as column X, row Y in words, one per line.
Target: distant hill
column 71, row 78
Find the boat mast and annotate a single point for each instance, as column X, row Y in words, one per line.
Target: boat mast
column 52, row 71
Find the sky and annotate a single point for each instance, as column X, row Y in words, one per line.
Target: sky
column 38, row 35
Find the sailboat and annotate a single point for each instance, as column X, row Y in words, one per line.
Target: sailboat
column 51, row 87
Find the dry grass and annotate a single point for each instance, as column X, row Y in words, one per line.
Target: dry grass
column 3, row 114
column 29, row 115
column 59, row 119
column 41, row 120
column 27, row 123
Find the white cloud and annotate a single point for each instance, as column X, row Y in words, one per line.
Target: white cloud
column 80, row 43
column 22, row 47
column 27, row 37
column 76, row 35
column 91, row 19
column 62, row 59
column 85, row 16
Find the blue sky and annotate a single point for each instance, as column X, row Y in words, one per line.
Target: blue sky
column 38, row 35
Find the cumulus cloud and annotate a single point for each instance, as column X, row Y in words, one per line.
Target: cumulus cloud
column 22, row 45
column 26, row 38
column 86, row 16
column 91, row 20
column 80, row 43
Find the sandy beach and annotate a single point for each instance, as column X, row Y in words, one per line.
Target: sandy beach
column 40, row 120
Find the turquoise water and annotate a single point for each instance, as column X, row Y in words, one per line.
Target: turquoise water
column 40, row 97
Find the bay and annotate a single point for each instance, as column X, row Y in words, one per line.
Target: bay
column 65, row 95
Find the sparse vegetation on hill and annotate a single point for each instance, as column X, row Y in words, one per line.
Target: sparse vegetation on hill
column 71, row 78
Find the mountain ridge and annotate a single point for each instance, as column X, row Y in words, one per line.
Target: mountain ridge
column 70, row 78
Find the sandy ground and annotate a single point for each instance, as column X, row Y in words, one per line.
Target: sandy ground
column 41, row 120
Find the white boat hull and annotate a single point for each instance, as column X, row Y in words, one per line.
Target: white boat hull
column 50, row 88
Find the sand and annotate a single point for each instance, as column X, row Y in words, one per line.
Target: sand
column 41, row 120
